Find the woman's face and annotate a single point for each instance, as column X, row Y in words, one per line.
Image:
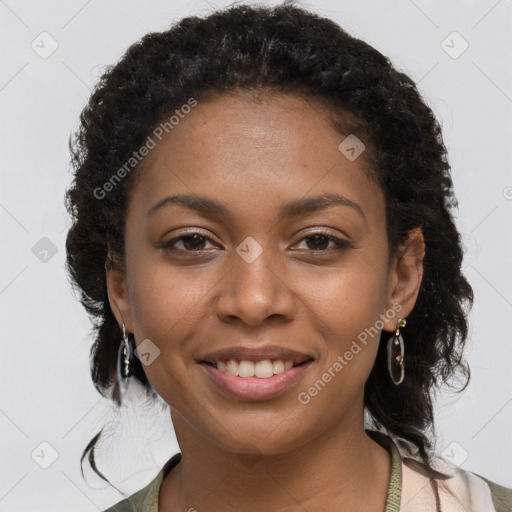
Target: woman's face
column 258, row 276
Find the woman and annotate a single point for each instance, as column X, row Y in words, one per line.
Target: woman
column 263, row 232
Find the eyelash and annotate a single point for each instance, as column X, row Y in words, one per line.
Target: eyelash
column 340, row 244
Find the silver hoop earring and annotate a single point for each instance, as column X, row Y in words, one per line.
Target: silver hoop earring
column 124, row 355
column 396, row 355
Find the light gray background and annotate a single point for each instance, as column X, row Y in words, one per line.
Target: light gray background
column 47, row 395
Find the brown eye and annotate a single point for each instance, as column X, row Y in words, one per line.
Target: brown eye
column 193, row 242
column 189, row 243
column 319, row 242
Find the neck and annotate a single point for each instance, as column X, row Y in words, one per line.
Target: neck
column 326, row 473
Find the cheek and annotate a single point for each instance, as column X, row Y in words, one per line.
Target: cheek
column 159, row 303
column 165, row 309
column 164, row 297
column 345, row 308
column 168, row 313
column 350, row 296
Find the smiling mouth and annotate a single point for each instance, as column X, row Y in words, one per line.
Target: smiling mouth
column 263, row 369
column 256, row 380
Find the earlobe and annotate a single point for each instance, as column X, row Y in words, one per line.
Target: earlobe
column 118, row 294
column 406, row 275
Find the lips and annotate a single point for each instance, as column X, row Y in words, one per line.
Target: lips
column 254, row 388
column 248, row 373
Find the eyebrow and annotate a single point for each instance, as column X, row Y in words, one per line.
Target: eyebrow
column 290, row 209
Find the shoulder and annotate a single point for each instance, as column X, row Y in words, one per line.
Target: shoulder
column 477, row 493
column 502, row 496
column 142, row 500
column 146, row 499
column 459, row 490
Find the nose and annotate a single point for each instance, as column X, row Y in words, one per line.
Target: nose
column 253, row 292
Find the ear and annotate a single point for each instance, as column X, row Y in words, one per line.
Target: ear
column 405, row 275
column 118, row 293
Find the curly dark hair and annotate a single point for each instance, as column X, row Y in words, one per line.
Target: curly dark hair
column 283, row 49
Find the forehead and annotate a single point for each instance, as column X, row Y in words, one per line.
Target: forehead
column 254, row 154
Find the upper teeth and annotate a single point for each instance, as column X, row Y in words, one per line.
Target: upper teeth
column 262, row 369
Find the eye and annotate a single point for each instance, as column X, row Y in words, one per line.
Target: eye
column 195, row 242
column 320, row 242
column 192, row 242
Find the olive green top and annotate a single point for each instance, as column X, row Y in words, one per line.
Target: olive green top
column 493, row 498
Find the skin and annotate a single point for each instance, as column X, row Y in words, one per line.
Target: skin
column 302, row 294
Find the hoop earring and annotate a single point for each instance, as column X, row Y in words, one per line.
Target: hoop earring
column 396, row 355
column 124, row 355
